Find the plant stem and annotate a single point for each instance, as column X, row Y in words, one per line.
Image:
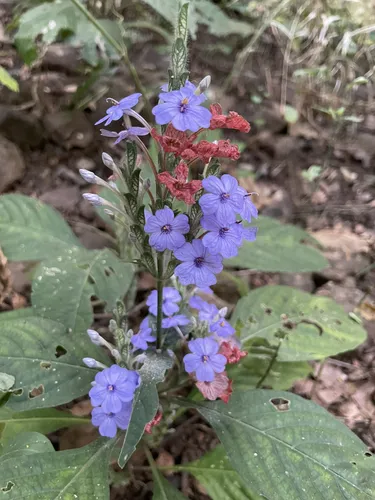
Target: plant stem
column 120, row 49
column 160, row 300
column 269, row 367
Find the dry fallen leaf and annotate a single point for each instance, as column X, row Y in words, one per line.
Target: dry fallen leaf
column 342, row 238
column 5, row 278
column 367, row 310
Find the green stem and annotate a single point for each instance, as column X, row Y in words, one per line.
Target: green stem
column 269, row 367
column 120, row 49
column 160, row 300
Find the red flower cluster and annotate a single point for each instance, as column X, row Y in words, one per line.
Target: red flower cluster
column 178, row 185
column 220, row 387
column 232, row 352
column 233, row 121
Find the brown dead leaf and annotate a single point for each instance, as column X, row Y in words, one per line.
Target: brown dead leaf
column 165, row 459
column 5, row 278
column 342, row 238
column 367, row 310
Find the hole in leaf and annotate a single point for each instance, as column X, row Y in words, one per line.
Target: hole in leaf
column 46, row 365
column 37, row 391
column 280, row 404
column 268, row 310
column 289, row 324
column 368, row 454
column 8, row 487
column 17, row 392
column 354, row 463
column 60, row 351
column 91, row 280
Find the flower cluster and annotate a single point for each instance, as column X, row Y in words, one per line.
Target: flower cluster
column 111, row 396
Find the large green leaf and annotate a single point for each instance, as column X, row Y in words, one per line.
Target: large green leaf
column 279, row 247
column 163, row 489
column 7, row 80
column 262, row 358
column 44, row 421
column 146, row 401
column 63, row 286
column 31, row 230
column 46, row 361
column 74, row 474
column 50, row 19
column 215, row 473
column 309, row 327
column 286, row 448
column 26, row 443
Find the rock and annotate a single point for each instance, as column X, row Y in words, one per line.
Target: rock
column 85, row 163
column 345, row 294
column 12, row 165
column 69, row 129
column 62, row 57
column 23, row 129
column 303, row 281
column 63, row 199
column 342, row 238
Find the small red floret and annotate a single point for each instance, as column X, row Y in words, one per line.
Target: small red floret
column 178, row 185
column 233, row 120
column 155, row 421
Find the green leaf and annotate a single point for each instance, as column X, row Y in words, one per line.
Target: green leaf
column 46, row 361
column 44, row 421
column 63, row 286
column 253, row 367
column 51, row 19
column 286, row 448
column 6, row 382
column 290, row 254
column 31, row 230
column 291, row 115
column 309, row 327
column 217, row 476
column 146, row 402
column 26, row 443
column 163, row 489
column 8, row 81
column 64, row 475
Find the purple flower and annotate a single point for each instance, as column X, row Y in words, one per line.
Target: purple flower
column 109, row 422
column 223, row 198
column 198, row 265
column 140, row 339
column 129, row 133
column 183, row 108
column 113, row 387
column 206, row 289
column 204, row 360
column 166, row 230
column 207, row 312
column 223, row 238
column 170, row 297
column 116, row 112
column 249, row 233
column 222, row 328
column 249, row 210
column 176, row 320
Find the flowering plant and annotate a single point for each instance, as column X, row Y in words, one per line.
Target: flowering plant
column 178, row 217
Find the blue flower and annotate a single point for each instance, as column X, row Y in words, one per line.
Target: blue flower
column 166, row 230
column 129, row 133
column 204, row 360
column 248, row 233
column 207, row 312
column 176, row 320
column 223, row 198
column 109, row 422
column 170, row 297
column 223, row 238
column 140, row 339
column 222, row 328
column 183, row 108
column 113, row 387
column 249, row 210
column 116, row 112
column 198, row 265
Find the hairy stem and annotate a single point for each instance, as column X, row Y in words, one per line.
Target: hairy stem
column 120, row 49
column 160, row 300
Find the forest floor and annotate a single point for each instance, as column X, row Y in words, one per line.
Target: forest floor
column 43, row 144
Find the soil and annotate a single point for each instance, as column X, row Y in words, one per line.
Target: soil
column 49, row 141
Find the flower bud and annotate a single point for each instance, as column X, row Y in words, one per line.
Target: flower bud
column 203, row 85
column 94, row 199
column 94, row 337
column 90, row 362
column 108, row 161
column 223, row 312
column 115, row 353
column 87, row 175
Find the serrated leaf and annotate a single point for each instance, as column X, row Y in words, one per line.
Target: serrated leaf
column 80, row 473
column 290, row 254
column 311, row 327
column 286, row 448
column 32, row 230
column 8, row 81
column 25, row 443
column 217, row 476
column 145, row 403
column 63, row 286
column 45, row 360
column 42, row 421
